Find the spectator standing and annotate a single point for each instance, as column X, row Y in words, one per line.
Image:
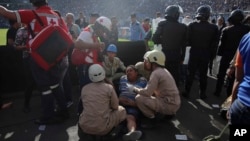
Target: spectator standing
column 156, row 21
column 93, row 17
column 214, row 67
column 81, row 21
column 127, row 99
column 230, row 39
column 48, row 81
column 113, row 39
column 73, row 28
column 203, row 39
column 101, row 105
column 136, row 29
column 239, row 113
column 174, row 44
column 146, row 25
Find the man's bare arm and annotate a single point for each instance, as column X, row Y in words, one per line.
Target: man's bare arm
column 9, row 14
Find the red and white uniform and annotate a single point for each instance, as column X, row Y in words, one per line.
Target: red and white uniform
column 46, row 14
column 88, row 36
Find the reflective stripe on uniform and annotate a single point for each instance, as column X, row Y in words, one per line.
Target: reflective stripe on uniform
column 47, row 92
column 54, row 86
column 18, row 18
column 48, row 15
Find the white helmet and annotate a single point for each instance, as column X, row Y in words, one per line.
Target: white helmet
column 155, row 56
column 96, row 73
column 104, row 21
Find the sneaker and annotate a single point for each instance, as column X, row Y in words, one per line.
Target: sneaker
column 134, row 135
column 69, row 104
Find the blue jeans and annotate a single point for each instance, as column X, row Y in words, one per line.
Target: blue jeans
column 239, row 113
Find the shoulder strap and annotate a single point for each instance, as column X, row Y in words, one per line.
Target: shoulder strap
column 31, row 31
column 38, row 18
column 40, row 22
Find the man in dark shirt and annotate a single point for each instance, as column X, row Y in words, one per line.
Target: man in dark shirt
column 203, row 39
column 172, row 35
column 229, row 42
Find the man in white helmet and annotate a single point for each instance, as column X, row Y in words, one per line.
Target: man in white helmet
column 101, row 106
column 89, row 43
column 161, row 94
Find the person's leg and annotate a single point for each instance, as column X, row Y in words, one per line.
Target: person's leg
column 132, row 134
column 48, row 84
column 147, row 105
column 203, row 68
column 224, row 64
column 56, row 74
column 67, row 85
column 30, row 84
column 174, row 68
column 192, row 67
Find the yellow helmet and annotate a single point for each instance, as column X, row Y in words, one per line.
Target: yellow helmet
column 155, row 56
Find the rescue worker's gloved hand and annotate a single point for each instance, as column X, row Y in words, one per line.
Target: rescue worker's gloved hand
column 130, row 88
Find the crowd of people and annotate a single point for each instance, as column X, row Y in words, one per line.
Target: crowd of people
column 114, row 95
column 122, row 9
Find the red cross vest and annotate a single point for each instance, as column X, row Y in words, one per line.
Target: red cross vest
column 86, row 56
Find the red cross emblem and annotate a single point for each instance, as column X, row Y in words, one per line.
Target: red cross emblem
column 52, row 22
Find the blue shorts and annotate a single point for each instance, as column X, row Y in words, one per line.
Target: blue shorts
column 132, row 111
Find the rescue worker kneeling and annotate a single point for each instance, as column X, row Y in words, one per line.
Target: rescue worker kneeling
column 161, row 94
column 101, row 111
